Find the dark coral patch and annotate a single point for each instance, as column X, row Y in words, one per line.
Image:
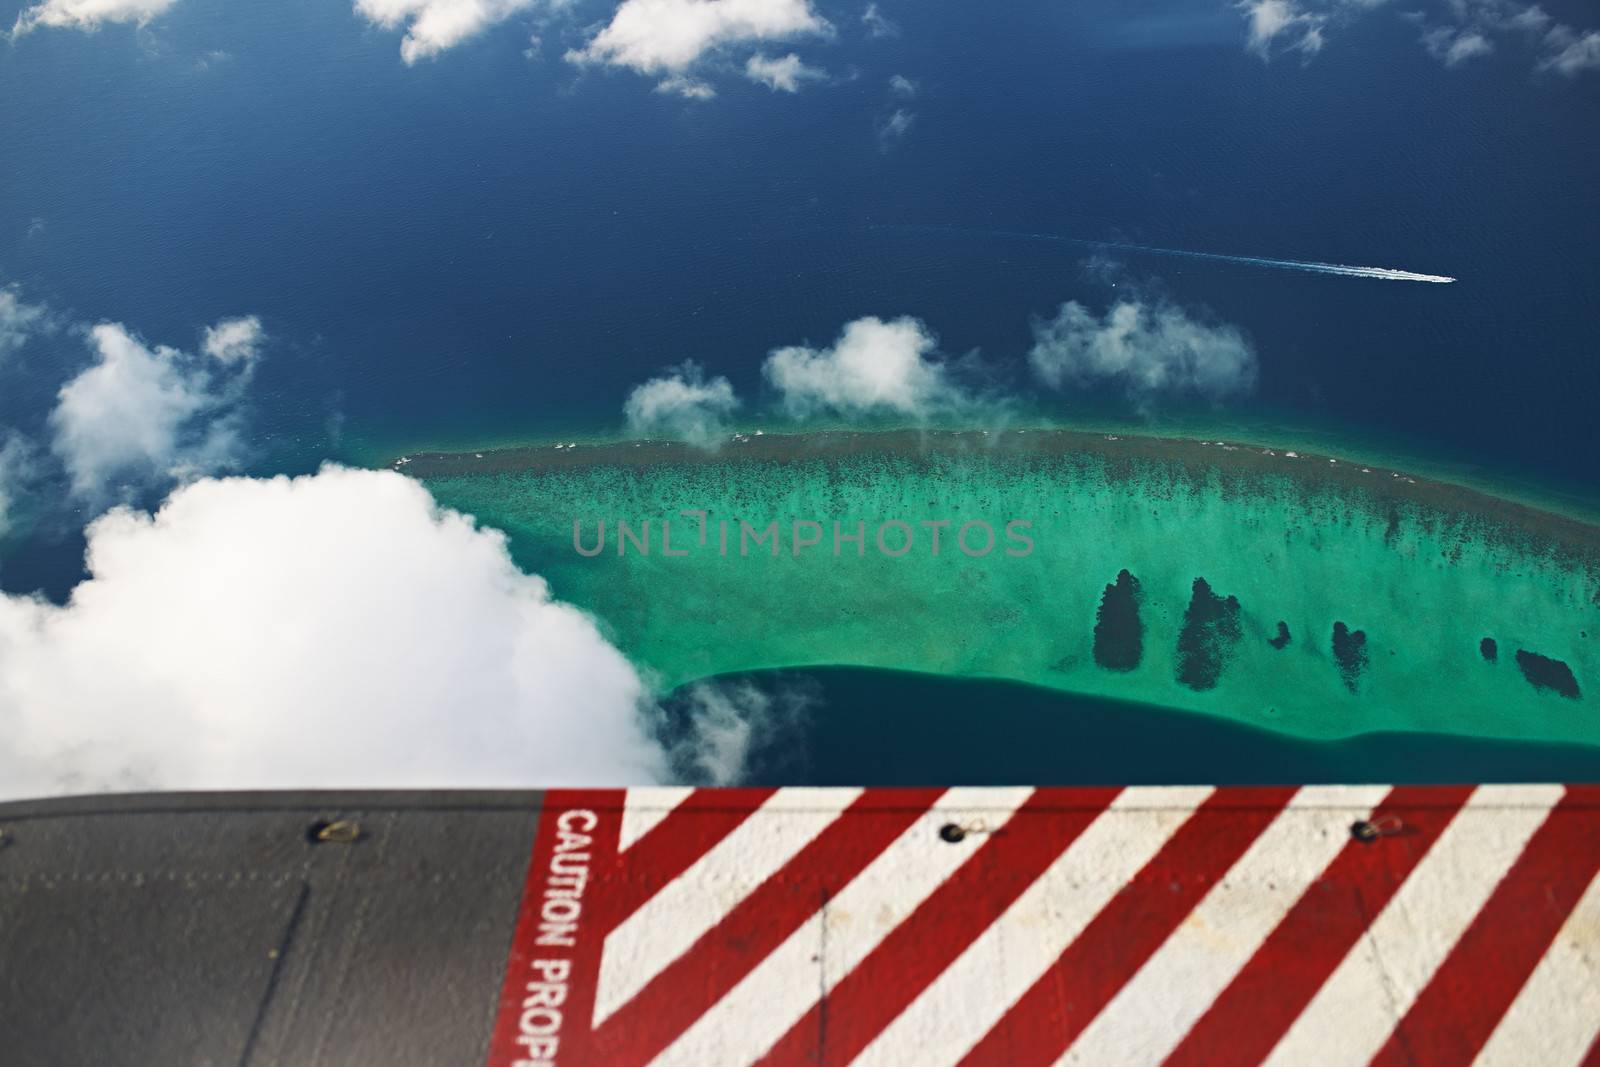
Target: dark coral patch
column 1543, row 673
column 1210, row 632
column 1282, row 640
column 1350, row 653
column 1118, row 631
column 1488, row 649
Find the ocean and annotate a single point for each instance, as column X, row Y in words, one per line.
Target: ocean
column 492, row 244
column 850, row 726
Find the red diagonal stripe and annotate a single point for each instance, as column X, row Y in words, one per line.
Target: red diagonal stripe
column 694, row 982
column 1112, row 948
column 668, row 848
column 1470, row 992
column 1592, row 1057
column 838, row 1027
column 565, row 1027
column 1264, row 998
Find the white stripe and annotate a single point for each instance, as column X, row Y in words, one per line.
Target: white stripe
column 645, row 808
column 760, row 1009
column 1556, row 1016
column 1147, row 1018
column 1354, row 1012
column 667, row 924
column 1003, row 962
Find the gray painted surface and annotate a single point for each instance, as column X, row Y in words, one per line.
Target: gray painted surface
column 209, row 929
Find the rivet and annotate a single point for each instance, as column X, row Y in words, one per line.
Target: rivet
column 333, row 832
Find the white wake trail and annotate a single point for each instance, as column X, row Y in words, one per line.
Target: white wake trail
column 1388, row 274
column 1343, row 270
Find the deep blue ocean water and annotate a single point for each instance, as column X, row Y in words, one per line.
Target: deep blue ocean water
column 854, row 726
column 487, row 246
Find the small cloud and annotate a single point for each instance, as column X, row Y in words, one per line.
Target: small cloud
column 234, row 340
column 534, row 49
column 784, row 74
column 874, row 368
column 88, row 15
column 432, row 26
column 878, row 25
column 895, row 126
column 1453, row 32
column 1454, row 46
column 142, row 415
column 1572, row 54
column 670, row 36
column 686, row 87
column 18, row 463
column 1280, row 26
column 1150, row 345
column 1531, row 19
column 682, row 405
column 718, row 733
column 213, row 58
column 902, row 87
column 19, row 321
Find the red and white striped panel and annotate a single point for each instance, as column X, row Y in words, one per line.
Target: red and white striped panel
column 1066, row 926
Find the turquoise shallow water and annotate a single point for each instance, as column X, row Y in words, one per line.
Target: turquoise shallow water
column 1414, row 578
column 895, row 728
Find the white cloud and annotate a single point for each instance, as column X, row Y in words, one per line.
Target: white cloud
column 235, row 340
column 1453, row 46
column 17, row 464
column 330, row 631
column 1531, row 19
column 432, row 26
column 1150, row 346
column 875, row 367
column 143, row 414
column 682, row 405
column 18, row 321
column 1453, row 31
column 214, row 58
column 734, row 726
column 686, row 87
column 895, row 126
column 1474, row 27
column 783, row 74
column 1571, row 53
column 878, row 24
column 669, row 36
column 894, row 121
column 88, row 15
column 1280, row 25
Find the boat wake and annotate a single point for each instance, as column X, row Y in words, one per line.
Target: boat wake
column 1343, row 270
